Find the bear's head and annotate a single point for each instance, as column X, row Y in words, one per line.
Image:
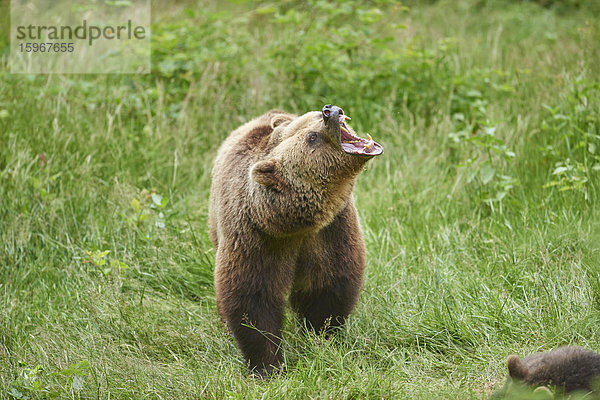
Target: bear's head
column 313, row 161
column 317, row 148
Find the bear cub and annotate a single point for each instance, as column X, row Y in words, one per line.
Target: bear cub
column 569, row 369
column 283, row 222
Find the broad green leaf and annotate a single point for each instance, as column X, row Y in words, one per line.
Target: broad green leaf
column 78, row 383
column 559, row 170
column 487, row 173
column 157, row 199
column 135, row 205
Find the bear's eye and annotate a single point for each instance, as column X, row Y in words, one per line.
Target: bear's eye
column 312, row 137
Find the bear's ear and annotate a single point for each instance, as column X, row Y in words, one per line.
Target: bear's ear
column 265, row 172
column 280, row 119
column 516, row 368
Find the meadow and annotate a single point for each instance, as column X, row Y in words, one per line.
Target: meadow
column 481, row 219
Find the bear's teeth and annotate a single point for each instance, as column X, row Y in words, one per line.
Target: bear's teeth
column 344, row 129
column 351, row 141
column 369, row 144
column 347, row 117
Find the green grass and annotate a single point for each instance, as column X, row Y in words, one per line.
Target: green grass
column 481, row 219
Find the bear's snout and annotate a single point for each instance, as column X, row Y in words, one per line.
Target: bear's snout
column 331, row 111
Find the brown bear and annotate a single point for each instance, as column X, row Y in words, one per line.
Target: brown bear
column 568, row 368
column 283, row 222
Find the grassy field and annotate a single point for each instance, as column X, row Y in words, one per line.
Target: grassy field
column 481, row 219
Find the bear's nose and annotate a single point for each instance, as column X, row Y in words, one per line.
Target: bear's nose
column 329, row 111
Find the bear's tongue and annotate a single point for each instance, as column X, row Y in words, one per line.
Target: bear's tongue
column 353, row 144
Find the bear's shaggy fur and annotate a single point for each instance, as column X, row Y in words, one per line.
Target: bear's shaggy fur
column 568, row 368
column 283, row 222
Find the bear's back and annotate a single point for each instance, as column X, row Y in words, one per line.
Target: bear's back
column 572, row 368
column 248, row 142
column 230, row 175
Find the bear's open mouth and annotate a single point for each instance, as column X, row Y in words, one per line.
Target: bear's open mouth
column 353, row 144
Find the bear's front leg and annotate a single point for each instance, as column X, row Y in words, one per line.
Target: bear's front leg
column 326, row 308
column 250, row 298
column 329, row 272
